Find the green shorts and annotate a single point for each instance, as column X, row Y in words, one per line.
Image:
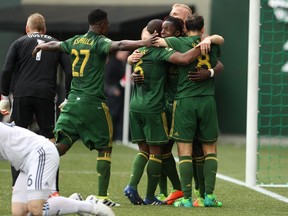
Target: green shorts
column 91, row 122
column 148, row 127
column 195, row 115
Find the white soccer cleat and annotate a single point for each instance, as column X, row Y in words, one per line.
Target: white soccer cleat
column 76, row 196
column 91, row 198
column 99, row 208
column 105, row 200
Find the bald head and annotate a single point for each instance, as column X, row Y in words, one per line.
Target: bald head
column 155, row 25
column 181, row 11
column 36, row 23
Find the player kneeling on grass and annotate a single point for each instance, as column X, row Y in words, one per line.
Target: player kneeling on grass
column 38, row 159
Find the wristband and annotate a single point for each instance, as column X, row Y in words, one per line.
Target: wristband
column 212, row 72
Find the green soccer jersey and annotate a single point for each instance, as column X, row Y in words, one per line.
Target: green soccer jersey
column 186, row 87
column 149, row 97
column 88, row 56
column 171, row 83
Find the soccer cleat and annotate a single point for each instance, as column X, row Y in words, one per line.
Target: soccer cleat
column 211, row 201
column 199, row 202
column 161, row 197
column 197, row 192
column 103, row 199
column 182, row 202
column 175, row 194
column 133, row 196
column 153, row 201
column 54, row 194
column 108, row 202
column 100, row 209
column 76, row 196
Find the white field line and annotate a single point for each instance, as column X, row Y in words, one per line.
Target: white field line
column 235, row 181
column 256, row 188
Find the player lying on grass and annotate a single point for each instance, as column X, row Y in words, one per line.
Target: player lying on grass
column 38, row 159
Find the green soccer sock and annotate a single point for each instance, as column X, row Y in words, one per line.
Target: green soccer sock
column 186, row 175
column 200, row 174
column 138, row 166
column 163, row 183
column 210, row 170
column 195, row 174
column 104, row 169
column 169, row 166
column 154, row 167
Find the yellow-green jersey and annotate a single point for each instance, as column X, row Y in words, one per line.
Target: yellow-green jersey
column 149, row 96
column 88, row 56
column 186, row 87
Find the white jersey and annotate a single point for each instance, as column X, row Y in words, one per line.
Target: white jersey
column 16, row 143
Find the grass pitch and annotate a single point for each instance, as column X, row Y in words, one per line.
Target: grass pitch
column 78, row 174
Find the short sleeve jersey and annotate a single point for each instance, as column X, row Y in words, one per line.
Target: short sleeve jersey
column 149, row 97
column 88, row 55
column 186, row 87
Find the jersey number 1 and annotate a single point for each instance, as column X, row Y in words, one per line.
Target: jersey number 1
column 38, row 55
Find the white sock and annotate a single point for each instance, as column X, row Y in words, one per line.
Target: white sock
column 62, row 205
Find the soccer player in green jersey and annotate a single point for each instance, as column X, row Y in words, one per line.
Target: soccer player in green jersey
column 201, row 120
column 172, row 27
column 148, row 118
column 86, row 115
column 168, row 161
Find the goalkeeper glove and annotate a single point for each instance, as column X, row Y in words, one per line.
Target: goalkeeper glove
column 62, row 104
column 5, row 105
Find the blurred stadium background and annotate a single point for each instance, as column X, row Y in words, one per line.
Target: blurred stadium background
column 127, row 18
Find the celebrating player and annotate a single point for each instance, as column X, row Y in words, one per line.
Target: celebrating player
column 170, row 27
column 148, row 121
column 86, row 115
column 201, row 121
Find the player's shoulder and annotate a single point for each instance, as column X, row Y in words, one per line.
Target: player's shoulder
column 104, row 39
column 171, row 38
column 5, row 127
column 215, row 47
column 20, row 40
column 192, row 38
column 35, row 37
